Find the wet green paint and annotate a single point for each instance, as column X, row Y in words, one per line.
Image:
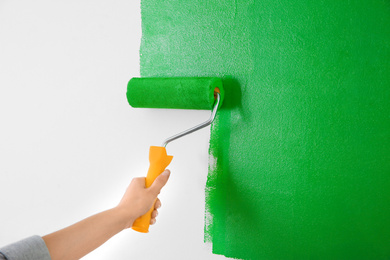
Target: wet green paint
column 300, row 152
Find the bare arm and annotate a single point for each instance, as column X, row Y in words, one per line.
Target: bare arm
column 85, row 236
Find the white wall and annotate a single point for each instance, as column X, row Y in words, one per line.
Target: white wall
column 70, row 143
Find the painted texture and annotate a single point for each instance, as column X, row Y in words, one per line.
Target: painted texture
column 300, row 152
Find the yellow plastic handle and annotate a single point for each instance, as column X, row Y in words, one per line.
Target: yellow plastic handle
column 159, row 160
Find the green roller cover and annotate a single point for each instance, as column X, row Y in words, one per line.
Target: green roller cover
column 180, row 93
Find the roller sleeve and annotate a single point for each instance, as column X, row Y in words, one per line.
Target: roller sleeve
column 178, row 93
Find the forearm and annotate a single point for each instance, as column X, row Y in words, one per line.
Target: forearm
column 83, row 237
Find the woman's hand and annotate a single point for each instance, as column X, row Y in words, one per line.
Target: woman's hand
column 137, row 199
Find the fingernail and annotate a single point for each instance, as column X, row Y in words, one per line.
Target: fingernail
column 166, row 173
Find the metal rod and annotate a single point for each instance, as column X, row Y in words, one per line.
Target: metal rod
column 195, row 128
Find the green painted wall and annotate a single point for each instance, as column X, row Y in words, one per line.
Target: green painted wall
column 300, row 151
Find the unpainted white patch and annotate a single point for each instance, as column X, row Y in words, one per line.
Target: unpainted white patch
column 212, row 163
column 208, row 220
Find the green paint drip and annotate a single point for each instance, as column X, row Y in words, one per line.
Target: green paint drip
column 300, row 152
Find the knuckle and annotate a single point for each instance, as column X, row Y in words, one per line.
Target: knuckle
column 138, row 180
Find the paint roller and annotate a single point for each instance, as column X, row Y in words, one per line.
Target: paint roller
column 204, row 93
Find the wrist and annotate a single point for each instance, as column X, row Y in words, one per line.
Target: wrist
column 124, row 217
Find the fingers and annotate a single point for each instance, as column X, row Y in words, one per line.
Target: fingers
column 153, row 219
column 154, row 214
column 159, row 182
column 157, row 205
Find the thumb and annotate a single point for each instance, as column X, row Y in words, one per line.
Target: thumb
column 159, row 182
